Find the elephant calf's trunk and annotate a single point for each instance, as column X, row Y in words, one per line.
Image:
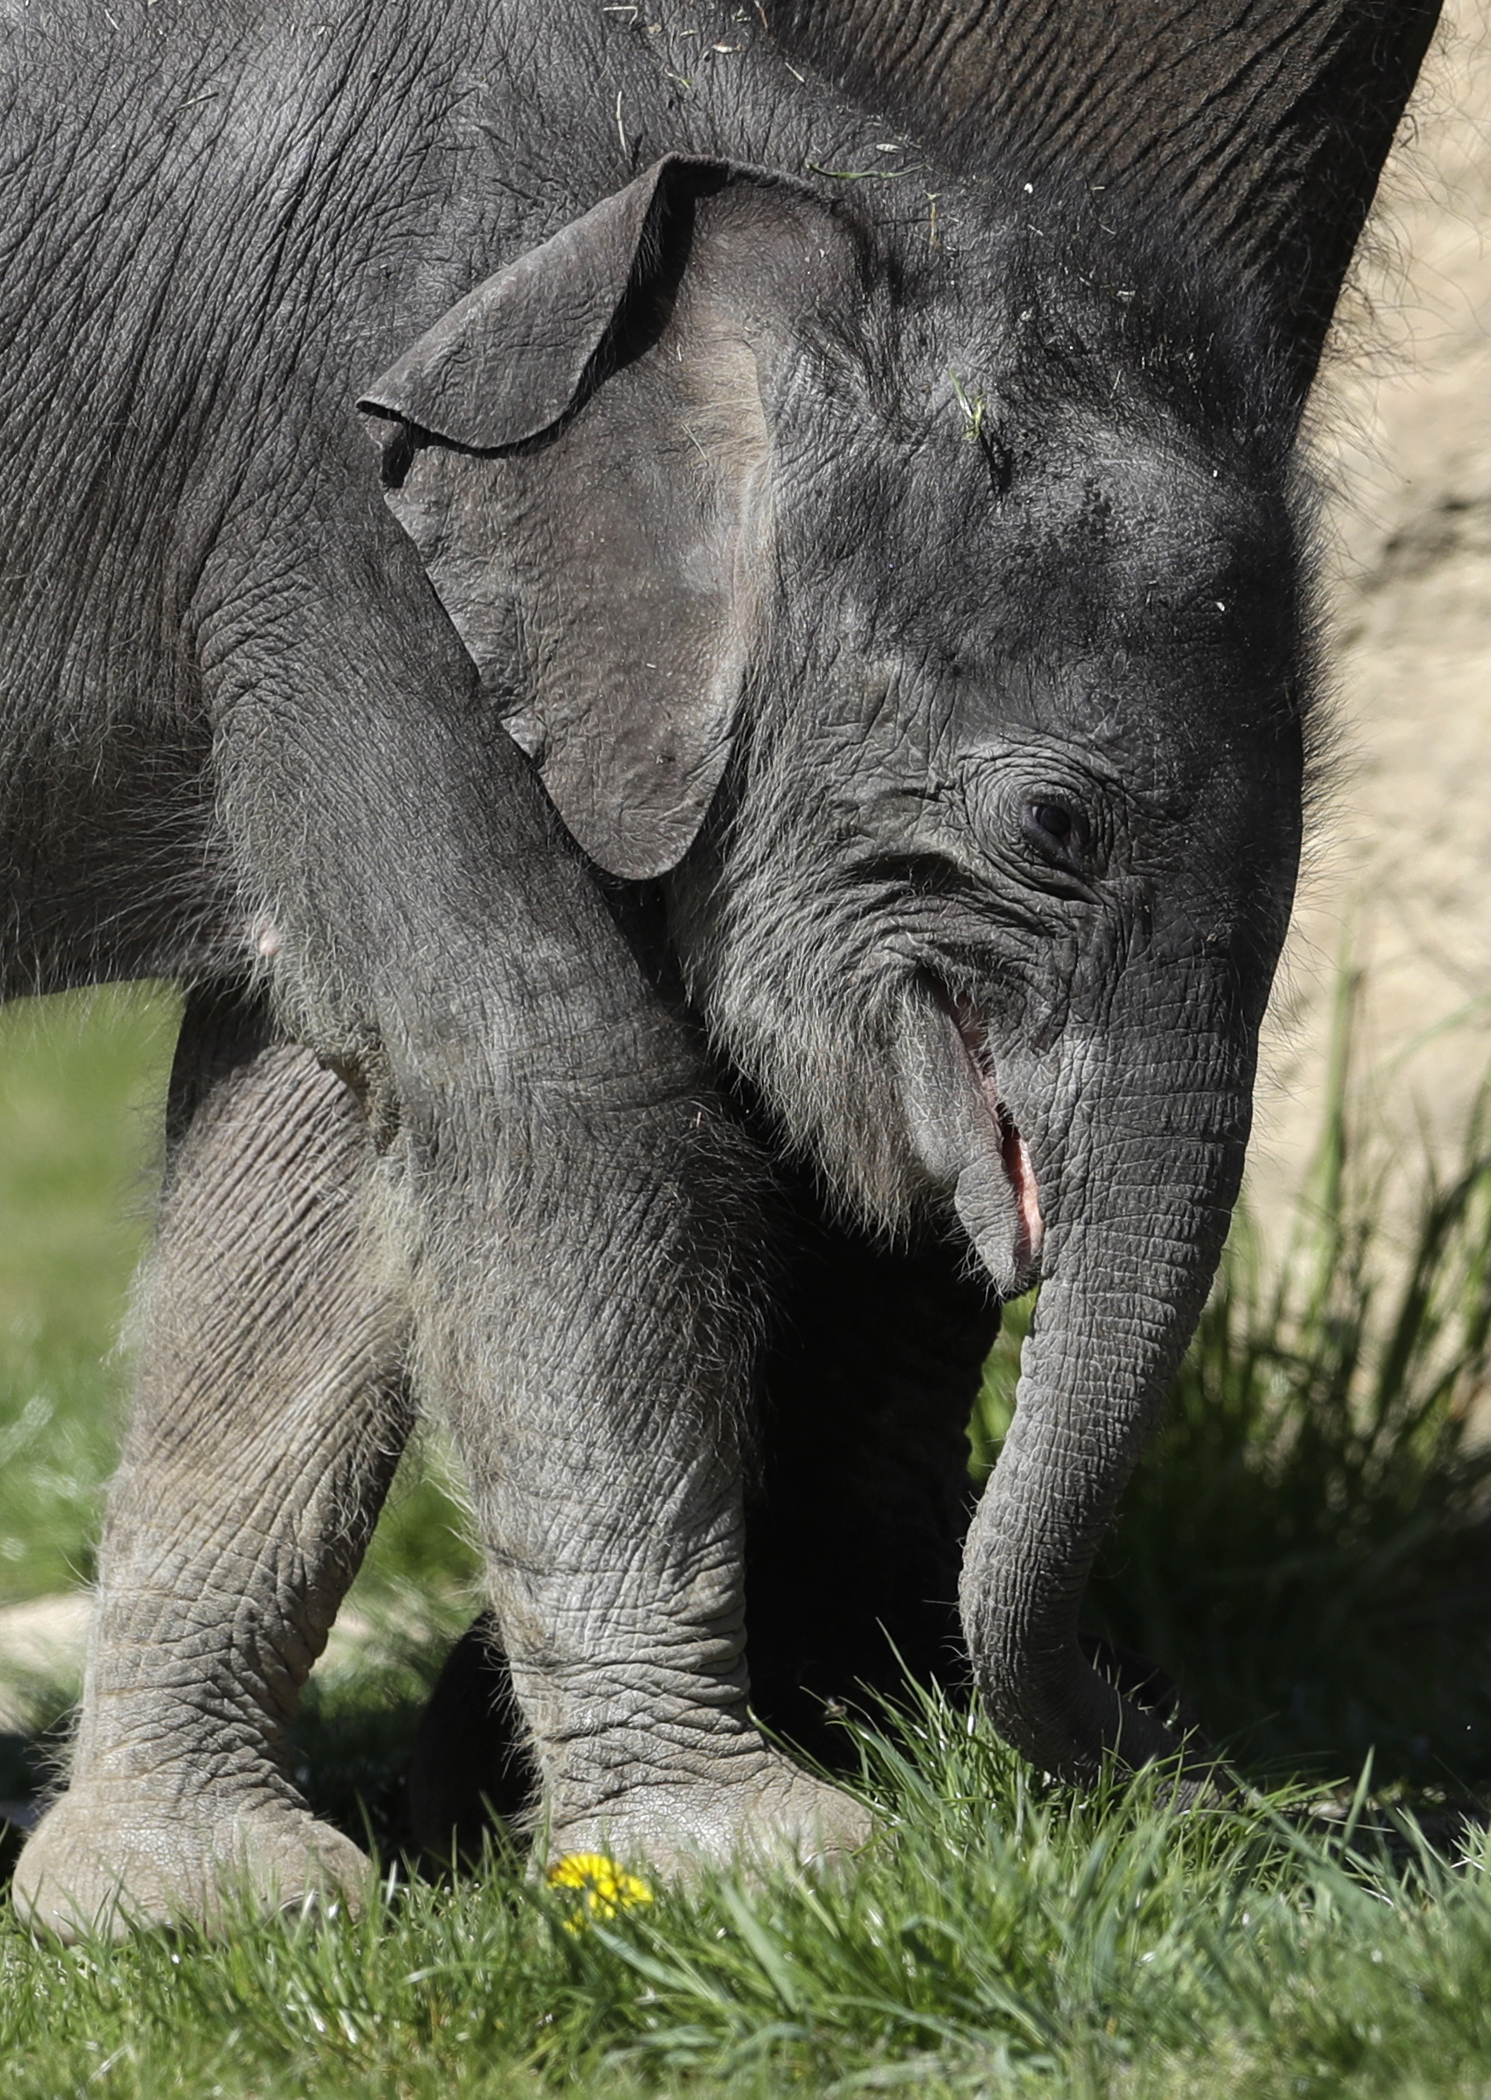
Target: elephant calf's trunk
column 1097, row 1364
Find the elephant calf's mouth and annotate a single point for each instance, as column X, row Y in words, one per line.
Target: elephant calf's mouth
column 1014, row 1153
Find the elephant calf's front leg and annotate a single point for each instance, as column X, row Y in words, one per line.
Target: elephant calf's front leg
column 268, row 1419
column 607, row 1478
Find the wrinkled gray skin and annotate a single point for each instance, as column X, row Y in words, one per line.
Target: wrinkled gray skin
column 911, row 603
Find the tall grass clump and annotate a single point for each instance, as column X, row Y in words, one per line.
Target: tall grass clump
column 1307, row 1545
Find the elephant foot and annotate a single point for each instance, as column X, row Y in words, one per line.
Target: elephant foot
column 104, row 1860
column 775, row 1815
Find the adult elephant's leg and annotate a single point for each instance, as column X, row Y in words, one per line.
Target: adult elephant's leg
column 268, row 1419
column 863, row 1498
column 574, row 1201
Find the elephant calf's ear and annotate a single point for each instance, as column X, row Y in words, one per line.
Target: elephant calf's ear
column 582, row 466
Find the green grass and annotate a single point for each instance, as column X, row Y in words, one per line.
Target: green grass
column 1307, row 1548
column 999, row 1937
column 80, row 1083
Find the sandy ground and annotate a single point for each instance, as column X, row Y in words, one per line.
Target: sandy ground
column 1400, row 856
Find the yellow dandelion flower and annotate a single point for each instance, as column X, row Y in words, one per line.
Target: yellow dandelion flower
column 603, row 1887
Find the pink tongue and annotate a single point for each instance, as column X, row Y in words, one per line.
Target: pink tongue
column 1015, row 1153
column 1013, row 1150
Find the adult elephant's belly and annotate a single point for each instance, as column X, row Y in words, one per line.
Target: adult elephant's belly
column 110, row 863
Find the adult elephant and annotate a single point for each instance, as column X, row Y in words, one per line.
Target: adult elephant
column 1264, row 123
column 897, row 600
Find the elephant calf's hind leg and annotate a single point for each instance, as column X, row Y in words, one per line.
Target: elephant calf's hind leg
column 267, row 1423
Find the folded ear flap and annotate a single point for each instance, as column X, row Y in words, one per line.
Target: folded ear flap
column 579, row 449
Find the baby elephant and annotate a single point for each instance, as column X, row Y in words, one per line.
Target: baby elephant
column 754, row 820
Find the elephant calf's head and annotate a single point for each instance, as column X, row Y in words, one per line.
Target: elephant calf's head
column 926, row 609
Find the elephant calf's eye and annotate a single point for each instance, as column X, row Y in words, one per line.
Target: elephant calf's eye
column 1053, row 821
column 1060, row 835
column 1057, row 829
